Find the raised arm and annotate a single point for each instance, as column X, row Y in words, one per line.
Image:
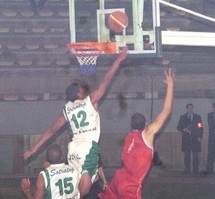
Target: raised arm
column 162, row 116
column 96, row 95
column 46, row 135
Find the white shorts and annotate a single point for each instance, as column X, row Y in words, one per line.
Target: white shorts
column 83, row 156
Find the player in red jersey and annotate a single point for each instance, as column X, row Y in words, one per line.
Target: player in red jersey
column 137, row 154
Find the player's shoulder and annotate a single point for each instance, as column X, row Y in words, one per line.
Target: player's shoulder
column 131, row 134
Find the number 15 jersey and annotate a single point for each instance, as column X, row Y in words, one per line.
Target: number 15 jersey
column 61, row 182
column 83, row 119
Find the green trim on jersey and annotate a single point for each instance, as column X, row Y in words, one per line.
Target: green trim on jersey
column 48, row 194
column 68, row 126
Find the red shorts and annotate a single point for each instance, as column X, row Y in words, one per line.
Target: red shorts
column 122, row 186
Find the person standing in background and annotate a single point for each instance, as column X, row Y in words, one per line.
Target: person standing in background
column 190, row 125
column 36, row 6
column 211, row 141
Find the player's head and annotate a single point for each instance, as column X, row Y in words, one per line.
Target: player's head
column 138, row 121
column 189, row 108
column 72, row 91
column 54, row 154
column 76, row 91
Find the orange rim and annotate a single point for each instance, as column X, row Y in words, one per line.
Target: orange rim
column 106, row 47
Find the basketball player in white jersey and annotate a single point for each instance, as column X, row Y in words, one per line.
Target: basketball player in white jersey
column 81, row 113
column 57, row 181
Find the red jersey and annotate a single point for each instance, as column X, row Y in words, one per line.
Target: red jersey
column 137, row 158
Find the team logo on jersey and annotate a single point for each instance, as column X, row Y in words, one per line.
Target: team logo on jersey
column 80, row 105
column 73, row 157
column 60, row 171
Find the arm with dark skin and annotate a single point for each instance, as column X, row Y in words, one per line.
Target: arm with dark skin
column 26, row 188
column 102, row 177
column 46, row 135
column 39, row 189
column 96, row 95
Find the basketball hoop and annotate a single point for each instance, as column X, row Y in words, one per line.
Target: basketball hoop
column 88, row 52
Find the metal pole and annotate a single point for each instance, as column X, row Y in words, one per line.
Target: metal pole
column 187, row 10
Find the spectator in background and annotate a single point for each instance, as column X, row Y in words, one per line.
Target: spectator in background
column 211, row 141
column 37, row 6
column 190, row 125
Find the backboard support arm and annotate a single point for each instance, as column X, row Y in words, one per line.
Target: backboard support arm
column 185, row 37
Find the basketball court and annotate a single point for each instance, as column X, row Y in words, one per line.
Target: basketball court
column 91, row 36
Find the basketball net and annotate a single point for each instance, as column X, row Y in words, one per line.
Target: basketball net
column 86, row 57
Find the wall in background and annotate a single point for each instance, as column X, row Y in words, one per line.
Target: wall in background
column 34, row 117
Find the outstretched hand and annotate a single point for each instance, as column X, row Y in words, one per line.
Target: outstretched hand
column 105, row 185
column 169, row 77
column 26, row 185
column 29, row 153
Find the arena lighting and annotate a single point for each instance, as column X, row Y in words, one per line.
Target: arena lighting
column 188, row 38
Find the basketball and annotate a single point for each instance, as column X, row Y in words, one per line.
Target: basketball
column 117, row 21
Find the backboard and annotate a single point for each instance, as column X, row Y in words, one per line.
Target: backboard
column 88, row 23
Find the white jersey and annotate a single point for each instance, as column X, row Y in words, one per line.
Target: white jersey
column 61, row 182
column 83, row 119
